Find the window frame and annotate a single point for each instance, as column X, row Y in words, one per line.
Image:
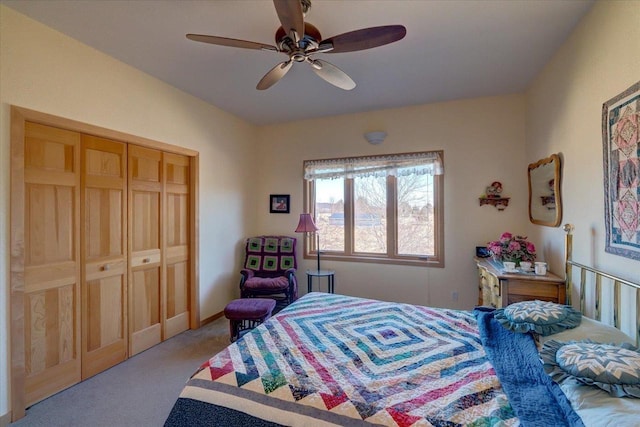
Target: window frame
column 391, row 257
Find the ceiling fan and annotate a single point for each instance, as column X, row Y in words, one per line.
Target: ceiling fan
column 300, row 40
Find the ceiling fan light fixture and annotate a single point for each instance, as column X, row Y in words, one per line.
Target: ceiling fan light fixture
column 299, row 40
column 311, row 35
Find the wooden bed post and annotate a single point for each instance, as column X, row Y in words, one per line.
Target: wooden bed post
column 568, row 255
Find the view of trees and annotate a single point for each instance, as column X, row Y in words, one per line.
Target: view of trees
column 415, row 225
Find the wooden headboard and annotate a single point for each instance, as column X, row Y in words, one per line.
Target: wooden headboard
column 602, row 281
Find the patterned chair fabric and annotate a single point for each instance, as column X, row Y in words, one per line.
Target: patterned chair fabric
column 269, row 269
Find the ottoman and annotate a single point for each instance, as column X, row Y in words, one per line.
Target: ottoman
column 247, row 313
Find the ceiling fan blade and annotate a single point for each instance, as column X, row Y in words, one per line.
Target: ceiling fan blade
column 290, row 16
column 274, row 75
column 224, row 41
column 332, row 74
column 365, row 38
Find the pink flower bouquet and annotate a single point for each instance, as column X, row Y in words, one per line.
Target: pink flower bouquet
column 512, row 248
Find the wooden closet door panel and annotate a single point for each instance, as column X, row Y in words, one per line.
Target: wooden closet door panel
column 147, row 290
column 104, row 285
column 177, row 289
column 177, row 244
column 52, row 260
column 145, row 259
column 145, row 223
column 49, row 212
column 105, row 319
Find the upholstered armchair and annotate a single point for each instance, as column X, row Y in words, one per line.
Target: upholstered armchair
column 269, row 269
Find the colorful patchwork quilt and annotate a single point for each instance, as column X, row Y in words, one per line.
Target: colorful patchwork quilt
column 336, row 360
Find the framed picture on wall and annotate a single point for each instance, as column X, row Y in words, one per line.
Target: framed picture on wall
column 279, row 203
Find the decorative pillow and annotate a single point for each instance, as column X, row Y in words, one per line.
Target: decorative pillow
column 589, row 329
column 542, row 317
column 615, row 369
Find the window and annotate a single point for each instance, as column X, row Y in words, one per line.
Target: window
column 385, row 209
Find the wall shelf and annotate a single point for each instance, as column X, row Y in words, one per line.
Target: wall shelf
column 499, row 203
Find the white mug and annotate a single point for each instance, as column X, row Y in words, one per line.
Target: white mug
column 541, row 268
column 509, row 266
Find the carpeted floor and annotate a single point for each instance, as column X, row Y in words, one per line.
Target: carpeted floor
column 138, row 392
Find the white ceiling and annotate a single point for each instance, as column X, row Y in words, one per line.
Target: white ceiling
column 454, row 49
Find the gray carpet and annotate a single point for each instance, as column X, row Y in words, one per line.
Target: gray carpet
column 138, row 392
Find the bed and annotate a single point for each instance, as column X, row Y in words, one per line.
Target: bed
column 331, row 360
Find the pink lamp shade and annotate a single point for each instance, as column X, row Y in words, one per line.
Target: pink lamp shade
column 306, row 224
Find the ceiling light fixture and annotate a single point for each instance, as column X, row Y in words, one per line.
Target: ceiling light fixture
column 375, row 137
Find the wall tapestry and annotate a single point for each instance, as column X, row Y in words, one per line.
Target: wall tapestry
column 621, row 147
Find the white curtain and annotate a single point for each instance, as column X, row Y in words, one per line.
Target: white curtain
column 425, row 163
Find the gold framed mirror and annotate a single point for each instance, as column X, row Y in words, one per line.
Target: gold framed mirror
column 545, row 201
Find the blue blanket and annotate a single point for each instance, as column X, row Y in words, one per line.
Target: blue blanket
column 536, row 399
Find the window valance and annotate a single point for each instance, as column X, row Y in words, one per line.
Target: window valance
column 424, row 163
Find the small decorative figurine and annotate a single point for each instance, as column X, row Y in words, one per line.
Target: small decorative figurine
column 495, row 189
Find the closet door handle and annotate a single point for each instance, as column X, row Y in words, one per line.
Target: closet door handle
column 146, row 260
column 106, row 267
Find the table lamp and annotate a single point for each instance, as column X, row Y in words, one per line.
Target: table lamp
column 306, row 225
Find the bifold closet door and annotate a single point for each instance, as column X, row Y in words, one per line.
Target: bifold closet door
column 145, row 257
column 176, row 168
column 104, row 255
column 52, row 261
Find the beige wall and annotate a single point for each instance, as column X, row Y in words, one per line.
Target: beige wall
column 564, row 109
column 483, row 141
column 44, row 70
